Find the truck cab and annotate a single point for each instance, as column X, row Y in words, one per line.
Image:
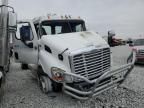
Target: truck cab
column 67, row 56
column 137, row 45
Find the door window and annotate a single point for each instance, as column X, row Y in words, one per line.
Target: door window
column 26, row 30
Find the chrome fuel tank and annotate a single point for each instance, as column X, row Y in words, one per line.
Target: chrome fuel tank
column 4, row 39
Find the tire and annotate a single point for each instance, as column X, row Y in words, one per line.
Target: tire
column 8, row 67
column 56, row 87
column 45, row 84
column 1, row 82
column 11, row 53
column 1, row 88
column 24, row 66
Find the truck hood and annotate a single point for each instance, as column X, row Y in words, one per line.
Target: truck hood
column 73, row 41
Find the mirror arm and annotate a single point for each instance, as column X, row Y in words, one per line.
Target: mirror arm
column 8, row 6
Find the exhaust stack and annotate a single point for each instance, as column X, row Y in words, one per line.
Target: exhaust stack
column 4, row 51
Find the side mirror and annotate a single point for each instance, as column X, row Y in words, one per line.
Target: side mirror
column 25, row 34
column 111, row 33
column 131, row 44
column 12, row 23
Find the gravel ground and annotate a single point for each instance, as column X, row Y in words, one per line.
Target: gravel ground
column 21, row 90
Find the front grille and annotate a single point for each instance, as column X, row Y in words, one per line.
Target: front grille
column 91, row 64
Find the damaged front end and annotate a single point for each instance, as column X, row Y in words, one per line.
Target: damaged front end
column 90, row 83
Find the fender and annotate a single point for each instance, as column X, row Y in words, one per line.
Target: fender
column 47, row 61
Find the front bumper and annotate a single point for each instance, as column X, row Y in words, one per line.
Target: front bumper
column 106, row 81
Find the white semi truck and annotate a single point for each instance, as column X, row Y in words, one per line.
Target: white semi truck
column 7, row 28
column 68, row 57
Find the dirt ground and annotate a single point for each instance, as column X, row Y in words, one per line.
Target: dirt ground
column 21, row 90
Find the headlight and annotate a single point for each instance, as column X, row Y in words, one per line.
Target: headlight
column 57, row 74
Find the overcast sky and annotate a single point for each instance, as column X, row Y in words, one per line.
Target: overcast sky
column 125, row 17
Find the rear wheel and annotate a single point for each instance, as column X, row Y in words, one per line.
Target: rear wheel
column 0, row 79
column 24, row 66
column 7, row 67
column 11, row 53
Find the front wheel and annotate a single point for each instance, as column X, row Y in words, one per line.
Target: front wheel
column 56, row 87
column 45, row 84
column 8, row 67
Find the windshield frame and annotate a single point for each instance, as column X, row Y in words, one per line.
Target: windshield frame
column 62, row 20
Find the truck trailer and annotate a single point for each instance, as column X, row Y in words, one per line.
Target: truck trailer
column 7, row 29
column 67, row 56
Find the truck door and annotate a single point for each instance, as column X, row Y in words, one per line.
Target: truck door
column 26, row 43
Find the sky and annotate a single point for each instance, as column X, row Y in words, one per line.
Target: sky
column 125, row 17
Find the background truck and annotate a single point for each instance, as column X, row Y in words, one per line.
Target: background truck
column 7, row 28
column 113, row 41
column 67, row 56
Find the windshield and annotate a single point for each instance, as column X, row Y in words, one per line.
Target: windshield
column 139, row 42
column 62, row 26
